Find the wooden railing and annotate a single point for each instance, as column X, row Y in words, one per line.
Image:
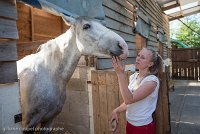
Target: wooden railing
column 186, row 63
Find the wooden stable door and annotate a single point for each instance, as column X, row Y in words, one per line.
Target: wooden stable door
column 106, row 97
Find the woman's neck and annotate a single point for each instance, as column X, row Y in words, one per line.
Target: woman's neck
column 143, row 73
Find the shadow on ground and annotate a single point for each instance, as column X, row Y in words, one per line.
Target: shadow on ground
column 185, row 107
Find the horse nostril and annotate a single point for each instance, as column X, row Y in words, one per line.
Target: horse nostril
column 119, row 46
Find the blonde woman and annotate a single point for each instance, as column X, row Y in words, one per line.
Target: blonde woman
column 141, row 94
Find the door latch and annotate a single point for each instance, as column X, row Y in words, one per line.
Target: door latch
column 18, row 118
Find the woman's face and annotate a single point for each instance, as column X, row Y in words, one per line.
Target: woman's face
column 144, row 59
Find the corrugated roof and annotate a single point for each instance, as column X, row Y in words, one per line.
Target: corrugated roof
column 179, row 8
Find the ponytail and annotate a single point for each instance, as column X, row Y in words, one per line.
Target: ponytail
column 157, row 62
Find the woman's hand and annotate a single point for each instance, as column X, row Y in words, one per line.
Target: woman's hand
column 118, row 65
column 114, row 115
column 114, row 121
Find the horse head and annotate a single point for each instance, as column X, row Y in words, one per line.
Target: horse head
column 93, row 38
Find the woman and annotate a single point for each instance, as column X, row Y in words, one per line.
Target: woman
column 140, row 96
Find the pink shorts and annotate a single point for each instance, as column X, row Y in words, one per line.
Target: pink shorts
column 146, row 129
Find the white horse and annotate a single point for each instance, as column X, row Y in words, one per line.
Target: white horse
column 44, row 75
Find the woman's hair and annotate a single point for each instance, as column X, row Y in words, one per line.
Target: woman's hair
column 157, row 61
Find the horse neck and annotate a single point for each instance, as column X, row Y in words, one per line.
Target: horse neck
column 71, row 56
column 63, row 56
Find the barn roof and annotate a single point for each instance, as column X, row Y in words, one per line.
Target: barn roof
column 176, row 9
column 91, row 8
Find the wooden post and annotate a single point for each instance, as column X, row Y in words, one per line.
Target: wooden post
column 162, row 116
column 162, row 113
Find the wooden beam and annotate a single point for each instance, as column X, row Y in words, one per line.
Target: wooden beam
column 8, row 29
column 32, row 24
column 8, row 10
column 113, row 24
column 175, row 17
column 118, row 17
column 112, row 5
column 106, row 63
column 125, row 4
column 8, row 72
column 170, row 7
column 8, row 51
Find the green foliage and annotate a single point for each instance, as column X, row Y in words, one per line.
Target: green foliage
column 186, row 35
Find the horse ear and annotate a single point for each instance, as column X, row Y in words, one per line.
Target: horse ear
column 68, row 20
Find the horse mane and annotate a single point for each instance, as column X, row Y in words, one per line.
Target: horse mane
column 45, row 45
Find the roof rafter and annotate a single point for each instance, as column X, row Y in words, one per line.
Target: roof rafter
column 179, row 8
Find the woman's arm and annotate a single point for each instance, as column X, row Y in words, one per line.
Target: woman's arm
column 123, row 86
column 142, row 92
column 117, row 110
column 121, row 108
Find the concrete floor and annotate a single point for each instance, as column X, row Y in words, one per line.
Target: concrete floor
column 185, row 107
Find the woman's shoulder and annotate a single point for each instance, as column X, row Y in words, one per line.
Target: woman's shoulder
column 151, row 78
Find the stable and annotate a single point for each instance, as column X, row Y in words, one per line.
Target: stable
column 93, row 89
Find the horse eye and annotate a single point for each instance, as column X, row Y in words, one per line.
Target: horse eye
column 86, row 26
